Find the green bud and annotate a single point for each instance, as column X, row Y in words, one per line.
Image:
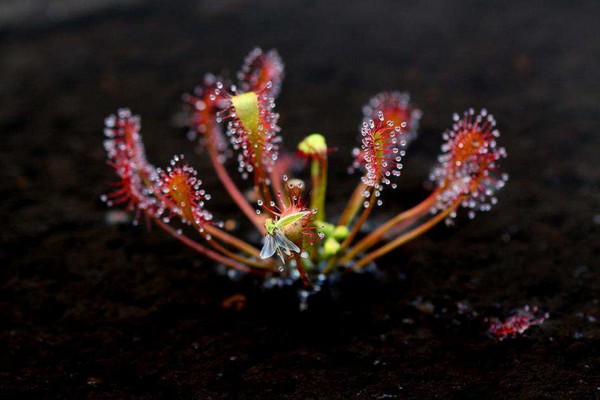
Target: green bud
column 331, row 247
column 341, row 232
column 325, row 228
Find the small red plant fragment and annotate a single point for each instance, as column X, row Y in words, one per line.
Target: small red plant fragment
column 236, row 302
column 516, row 323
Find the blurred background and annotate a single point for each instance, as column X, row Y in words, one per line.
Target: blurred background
column 97, row 310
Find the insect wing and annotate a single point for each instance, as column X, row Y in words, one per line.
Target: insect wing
column 285, row 244
column 269, row 247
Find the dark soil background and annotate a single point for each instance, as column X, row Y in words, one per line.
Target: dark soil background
column 92, row 310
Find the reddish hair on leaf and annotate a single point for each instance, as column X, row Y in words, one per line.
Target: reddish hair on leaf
column 260, row 69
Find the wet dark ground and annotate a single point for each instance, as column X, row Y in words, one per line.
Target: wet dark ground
column 90, row 310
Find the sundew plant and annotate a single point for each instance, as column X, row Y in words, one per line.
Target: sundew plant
column 303, row 239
